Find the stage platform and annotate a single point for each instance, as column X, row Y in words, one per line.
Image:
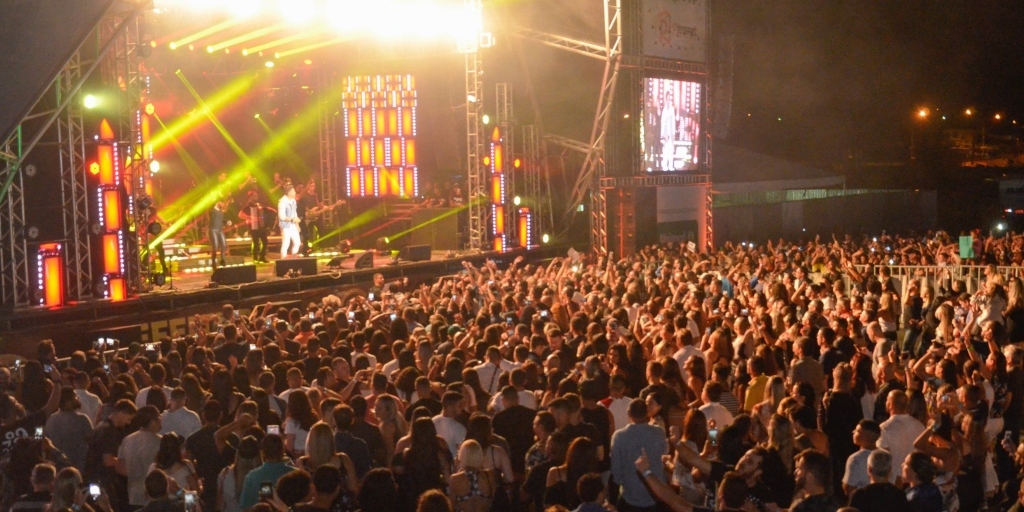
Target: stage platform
column 165, row 311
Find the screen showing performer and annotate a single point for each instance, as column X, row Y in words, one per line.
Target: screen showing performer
column 671, row 127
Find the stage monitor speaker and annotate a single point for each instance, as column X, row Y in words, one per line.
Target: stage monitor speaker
column 338, row 260
column 415, row 253
column 299, row 266
column 365, row 260
column 240, row 274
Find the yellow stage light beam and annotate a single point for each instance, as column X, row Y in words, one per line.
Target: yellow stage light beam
column 279, row 42
column 224, row 25
column 213, row 117
column 314, row 46
column 360, row 220
column 214, row 103
column 428, row 222
column 190, row 163
column 295, row 128
column 244, row 38
column 289, row 154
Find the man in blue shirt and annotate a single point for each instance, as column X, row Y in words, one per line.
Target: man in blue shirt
column 273, row 468
column 627, row 445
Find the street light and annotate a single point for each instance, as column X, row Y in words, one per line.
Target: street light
column 998, row 116
column 922, row 113
column 968, row 112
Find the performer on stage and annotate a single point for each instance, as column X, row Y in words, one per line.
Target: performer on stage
column 254, row 215
column 309, row 208
column 218, row 242
column 288, row 219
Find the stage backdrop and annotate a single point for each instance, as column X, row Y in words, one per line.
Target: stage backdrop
column 675, row 29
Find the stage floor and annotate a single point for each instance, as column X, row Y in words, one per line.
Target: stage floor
column 198, row 276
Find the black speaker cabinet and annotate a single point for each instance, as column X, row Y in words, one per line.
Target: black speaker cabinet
column 240, row 274
column 415, row 253
column 365, row 260
column 299, row 266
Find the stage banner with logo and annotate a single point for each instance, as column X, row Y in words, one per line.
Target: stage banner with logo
column 675, row 29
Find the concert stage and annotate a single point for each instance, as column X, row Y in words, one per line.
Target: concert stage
column 164, row 311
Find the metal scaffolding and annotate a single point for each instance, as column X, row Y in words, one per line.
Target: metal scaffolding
column 14, row 282
column 475, row 182
column 536, row 185
column 73, row 188
column 588, row 180
column 328, row 142
column 15, row 285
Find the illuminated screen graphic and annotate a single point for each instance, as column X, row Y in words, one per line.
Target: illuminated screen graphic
column 380, row 136
column 671, row 129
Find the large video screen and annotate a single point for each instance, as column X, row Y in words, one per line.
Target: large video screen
column 671, row 128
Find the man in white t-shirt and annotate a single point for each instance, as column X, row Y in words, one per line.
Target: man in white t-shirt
column 294, row 378
column 179, row 419
column 900, row 431
column 684, row 338
column 158, row 374
column 617, row 402
column 90, row 402
column 712, row 409
column 137, row 452
column 491, row 370
column 447, row 426
column 391, row 366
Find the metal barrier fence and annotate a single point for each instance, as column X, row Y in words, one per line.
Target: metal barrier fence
column 971, row 275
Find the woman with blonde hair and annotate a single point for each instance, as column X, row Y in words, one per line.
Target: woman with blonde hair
column 472, row 488
column 1014, row 313
column 229, row 482
column 777, row 466
column 774, row 392
column 320, row 452
column 391, row 424
column 944, row 331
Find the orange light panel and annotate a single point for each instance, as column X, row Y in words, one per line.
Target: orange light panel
column 111, row 210
column 355, row 178
column 105, row 159
column 524, row 227
column 392, row 122
column 117, row 289
column 106, row 132
column 364, row 157
column 350, row 147
column 353, row 123
column 410, row 152
column 378, row 152
column 499, row 160
column 406, row 122
column 496, row 188
column 496, row 135
column 111, row 254
column 498, row 245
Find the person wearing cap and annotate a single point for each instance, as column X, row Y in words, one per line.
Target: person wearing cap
column 67, row 427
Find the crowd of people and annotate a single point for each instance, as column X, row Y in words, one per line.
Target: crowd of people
column 757, row 378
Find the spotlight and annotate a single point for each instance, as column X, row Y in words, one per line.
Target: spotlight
column 154, row 228
column 150, row 109
column 90, row 101
column 257, row 116
column 486, row 119
column 154, row 166
column 545, row 238
column 159, row 279
column 1000, row 226
column 382, row 244
column 144, row 202
column 345, row 246
column 517, row 200
column 269, row 64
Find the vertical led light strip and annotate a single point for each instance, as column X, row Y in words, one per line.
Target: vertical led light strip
column 525, row 228
column 497, row 163
column 380, row 132
column 50, row 262
column 110, row 213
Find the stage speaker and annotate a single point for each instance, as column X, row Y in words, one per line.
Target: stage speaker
column 415, row 253
column 338, row 260
column 300, row 266
column 365, row 260
column 240, row 274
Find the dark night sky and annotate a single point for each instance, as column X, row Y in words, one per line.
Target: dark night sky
column 846, row 77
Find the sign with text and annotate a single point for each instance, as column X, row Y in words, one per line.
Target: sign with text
column 675, row 29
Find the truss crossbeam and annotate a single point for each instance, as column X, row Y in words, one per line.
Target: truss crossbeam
column 566, row 142
column 579, row 47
